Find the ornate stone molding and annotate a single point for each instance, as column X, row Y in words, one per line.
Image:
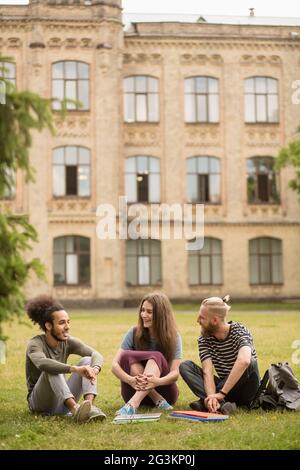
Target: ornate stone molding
column 70, row 206
column 64, row 292
column 260, row 60
column 262, row 137
column 72, row 126
column 264, row 211
column 141, row 58
column 203, row 137
column 137, row 44
column 201, row 59
column 71, row 219
column 69, row 43
column 12, row 42
column 142, row 138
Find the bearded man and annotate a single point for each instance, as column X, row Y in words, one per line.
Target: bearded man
column 227, row 348
column 46, row 365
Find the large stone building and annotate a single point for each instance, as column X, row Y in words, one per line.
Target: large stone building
column 174, row 110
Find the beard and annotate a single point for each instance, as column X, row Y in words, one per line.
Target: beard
column 54, row 335
column 210, row 330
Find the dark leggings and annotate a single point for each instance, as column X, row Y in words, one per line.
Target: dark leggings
column 169, row 392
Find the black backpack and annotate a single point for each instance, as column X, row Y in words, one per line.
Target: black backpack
column 278, row 390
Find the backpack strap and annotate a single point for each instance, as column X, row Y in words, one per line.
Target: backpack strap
column 262, row 386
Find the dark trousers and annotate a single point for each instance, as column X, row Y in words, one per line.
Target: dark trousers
column 242, row 393
column 169, row 392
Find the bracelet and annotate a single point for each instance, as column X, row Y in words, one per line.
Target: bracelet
column 223, row 393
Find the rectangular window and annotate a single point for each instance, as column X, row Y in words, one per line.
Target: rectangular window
column 263, row 188
column 142, row 187
column 203, row 188
column 59, row 268
column 265, row 269
column 72, row 269
column 190, row 108
column 141, row 108
column 205, row 273
column 84, row 181
column 249, row 108
column 144, row 270
column 155, row 270
column 71, row 180
column 193, row 270
column 154, row 187
column 261, row 109
column 84, row 268
column 59, row 180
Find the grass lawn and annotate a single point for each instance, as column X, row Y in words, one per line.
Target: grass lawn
column 274, row 332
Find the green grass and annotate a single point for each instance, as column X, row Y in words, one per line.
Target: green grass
column 273, row 331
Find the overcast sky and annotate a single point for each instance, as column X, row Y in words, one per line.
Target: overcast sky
column 286, row 8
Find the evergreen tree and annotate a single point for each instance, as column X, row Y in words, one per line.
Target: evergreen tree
column 20, row 114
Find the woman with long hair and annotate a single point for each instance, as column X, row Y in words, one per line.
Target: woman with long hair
column 148, row 360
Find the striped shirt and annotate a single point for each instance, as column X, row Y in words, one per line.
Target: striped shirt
column 223, row 353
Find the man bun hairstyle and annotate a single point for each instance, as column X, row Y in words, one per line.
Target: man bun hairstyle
column 40, row 309
column 217, row 305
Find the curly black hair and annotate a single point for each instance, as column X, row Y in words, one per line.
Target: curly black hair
column 40, row 309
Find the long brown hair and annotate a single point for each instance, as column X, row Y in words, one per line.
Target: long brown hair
column 163, row 326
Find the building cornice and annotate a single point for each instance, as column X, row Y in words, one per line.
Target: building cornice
column 264, row 44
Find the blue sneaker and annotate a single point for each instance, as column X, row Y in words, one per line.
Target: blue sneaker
column 163, row 405
column 126, row 410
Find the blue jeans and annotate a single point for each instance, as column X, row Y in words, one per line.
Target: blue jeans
column 242, row 393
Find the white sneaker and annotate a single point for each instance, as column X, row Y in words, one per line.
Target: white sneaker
column 82, row 412
column 96, row 414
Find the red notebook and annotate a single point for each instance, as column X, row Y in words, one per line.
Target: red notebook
column 198, row 416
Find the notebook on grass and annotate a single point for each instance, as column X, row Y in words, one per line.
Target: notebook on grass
column 198, row 416
column 137, row 418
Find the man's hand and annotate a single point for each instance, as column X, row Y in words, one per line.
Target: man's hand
column 97, row 370
column 85, row 371
column 212, row 402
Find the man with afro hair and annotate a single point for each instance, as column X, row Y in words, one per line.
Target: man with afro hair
column 46, row 365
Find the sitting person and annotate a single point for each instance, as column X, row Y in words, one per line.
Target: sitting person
column 148, row 361
column 46, row 364
column 228, row 348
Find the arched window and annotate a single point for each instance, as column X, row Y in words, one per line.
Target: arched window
column 141, row 99
column 204, row 180
column 70, row 80
column 71, row 172
column 201, row 99
column 205, row 266
column 261, row 99
column 71, row 256
column 265, row 261
column 143, row 262
column 262, row 181
column 142, row 179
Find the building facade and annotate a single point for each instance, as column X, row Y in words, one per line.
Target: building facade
column 172, row 112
